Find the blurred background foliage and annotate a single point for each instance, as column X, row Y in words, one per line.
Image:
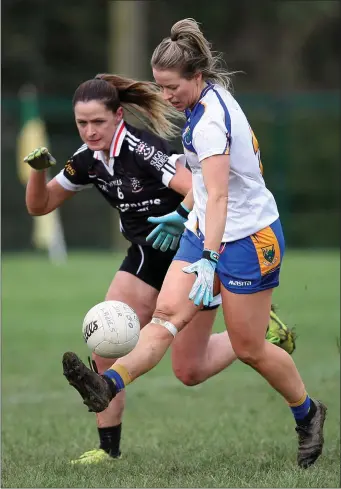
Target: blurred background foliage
column 287, row 51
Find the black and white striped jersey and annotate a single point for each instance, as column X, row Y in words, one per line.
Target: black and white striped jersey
column 135, row 182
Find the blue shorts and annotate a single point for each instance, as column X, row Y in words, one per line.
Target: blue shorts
column 245, row 266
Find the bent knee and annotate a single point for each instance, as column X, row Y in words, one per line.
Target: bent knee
column 189, row 375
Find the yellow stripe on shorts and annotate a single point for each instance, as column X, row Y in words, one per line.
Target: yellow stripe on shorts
column 267, row 249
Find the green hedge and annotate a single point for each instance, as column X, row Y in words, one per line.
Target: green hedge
column 299, row 138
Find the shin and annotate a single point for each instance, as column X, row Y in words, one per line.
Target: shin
column 171, row 315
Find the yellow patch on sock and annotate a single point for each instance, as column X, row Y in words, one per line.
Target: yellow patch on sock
column 300, row 402
column 123, row 372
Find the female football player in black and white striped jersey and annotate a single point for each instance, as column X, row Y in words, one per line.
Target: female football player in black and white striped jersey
column 138, row 173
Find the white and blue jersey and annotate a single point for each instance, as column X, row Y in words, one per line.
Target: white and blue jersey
column 215, row 126
column 253, row 243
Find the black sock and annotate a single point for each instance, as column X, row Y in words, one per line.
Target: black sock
column 110, row 438
column 306, row 420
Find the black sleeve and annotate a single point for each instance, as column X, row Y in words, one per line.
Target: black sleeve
column 75, row 175
column 157, row 157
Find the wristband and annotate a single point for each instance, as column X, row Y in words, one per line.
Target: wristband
column 183, row 211
column 210, row 255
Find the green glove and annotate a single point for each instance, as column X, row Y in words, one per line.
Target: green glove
column 40, row 159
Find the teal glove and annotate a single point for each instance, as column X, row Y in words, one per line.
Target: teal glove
column 40, row 159
column 202, row 290
column 169, row 230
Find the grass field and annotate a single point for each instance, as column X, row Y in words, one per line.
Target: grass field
column 232, row 431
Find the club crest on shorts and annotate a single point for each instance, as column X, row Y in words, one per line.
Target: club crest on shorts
column 269, row 253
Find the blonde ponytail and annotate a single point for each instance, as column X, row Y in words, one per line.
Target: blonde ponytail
column 188, row 51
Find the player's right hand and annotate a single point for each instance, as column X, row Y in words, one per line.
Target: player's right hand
column 40, row 159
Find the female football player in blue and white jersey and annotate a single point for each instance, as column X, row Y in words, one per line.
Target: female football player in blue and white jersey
column 138, row 174
column 233, row 232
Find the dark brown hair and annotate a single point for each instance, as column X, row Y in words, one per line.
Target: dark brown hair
column 138, row 97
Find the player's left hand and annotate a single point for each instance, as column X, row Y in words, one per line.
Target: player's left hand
column 169, row 230
column 202, row 290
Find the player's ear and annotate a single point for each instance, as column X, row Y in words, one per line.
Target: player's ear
column 198, row 77
column 119, row 114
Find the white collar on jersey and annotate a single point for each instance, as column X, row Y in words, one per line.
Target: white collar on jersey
column 115, row 147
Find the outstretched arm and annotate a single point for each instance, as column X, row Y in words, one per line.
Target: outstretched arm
column 170, row 227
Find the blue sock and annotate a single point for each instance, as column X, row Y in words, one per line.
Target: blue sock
column 116, row 378
column 301, row 409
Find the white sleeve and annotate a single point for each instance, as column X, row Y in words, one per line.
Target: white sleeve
column 172, row 160
column 179, row 159
column 211, row 137
column 65, row 183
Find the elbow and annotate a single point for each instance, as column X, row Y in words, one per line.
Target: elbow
column 35, row 211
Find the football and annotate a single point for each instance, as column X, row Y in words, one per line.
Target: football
column 111, row 329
